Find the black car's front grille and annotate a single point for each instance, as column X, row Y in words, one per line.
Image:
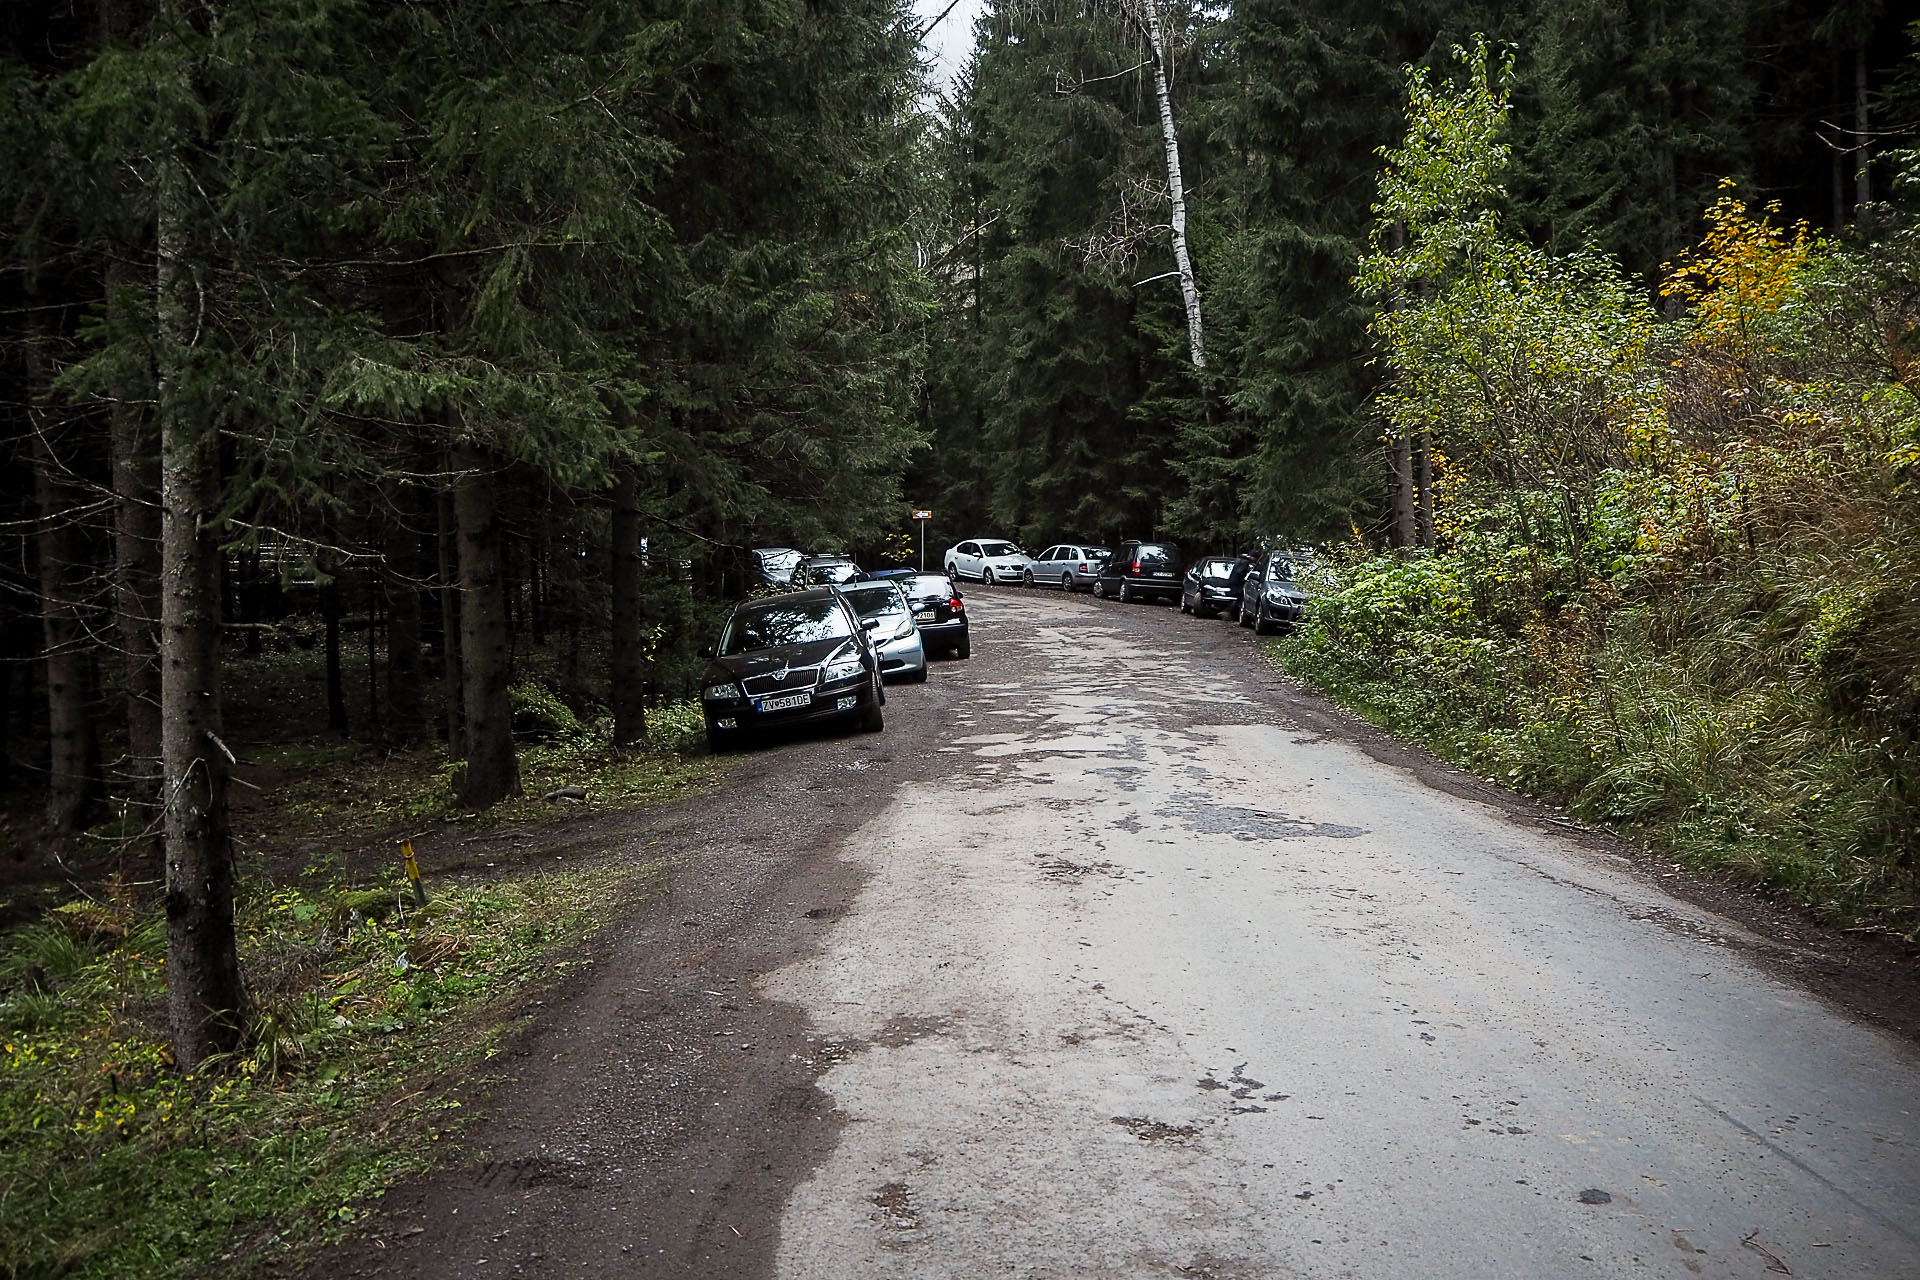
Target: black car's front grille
column 792, row 681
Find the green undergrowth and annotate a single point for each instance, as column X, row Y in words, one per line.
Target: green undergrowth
column 370, row 1021
column 308, row 791
column 1756, row 725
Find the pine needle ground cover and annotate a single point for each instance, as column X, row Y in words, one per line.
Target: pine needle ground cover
column 370, row 1021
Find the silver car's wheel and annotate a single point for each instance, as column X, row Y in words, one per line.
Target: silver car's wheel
column 1066, row 581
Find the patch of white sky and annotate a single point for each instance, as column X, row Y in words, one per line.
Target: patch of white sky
column 950, row 43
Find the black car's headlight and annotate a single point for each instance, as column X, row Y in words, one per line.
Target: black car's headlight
column 845, row 669
column 720, row 692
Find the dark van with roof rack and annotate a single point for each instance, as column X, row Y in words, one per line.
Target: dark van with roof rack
column 1141, row 571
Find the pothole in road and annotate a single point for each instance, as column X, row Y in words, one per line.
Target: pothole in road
column 895, row 1203
column 1204, row 816
column 1156, row 1130
column 1055, row 867
column 904, row 1028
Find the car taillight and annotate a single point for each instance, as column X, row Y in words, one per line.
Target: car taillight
column 1134, row 569
column 956, row 604
column 1084, row 569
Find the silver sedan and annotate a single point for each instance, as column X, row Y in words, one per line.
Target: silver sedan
column 903, row 656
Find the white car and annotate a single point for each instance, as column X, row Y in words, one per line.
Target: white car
column 987, row 560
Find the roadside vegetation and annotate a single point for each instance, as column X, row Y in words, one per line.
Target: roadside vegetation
column 1675, row 576
column 371, row 1020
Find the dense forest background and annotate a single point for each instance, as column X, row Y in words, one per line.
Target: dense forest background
column 467, row 346
column 1059, row 396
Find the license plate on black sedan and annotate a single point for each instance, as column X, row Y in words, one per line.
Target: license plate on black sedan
column 785, row 702
column 924, row 615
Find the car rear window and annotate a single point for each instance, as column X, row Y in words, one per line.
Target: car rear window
column 793, row 622
column 1220, row 570
column 929, row 584
column 1161, row 554
column 1096, row 553
column 834, row 571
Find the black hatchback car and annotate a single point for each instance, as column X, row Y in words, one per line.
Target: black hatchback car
column 939, row 612
column 1141, row 571
column 790, row 659
column 1212, row 586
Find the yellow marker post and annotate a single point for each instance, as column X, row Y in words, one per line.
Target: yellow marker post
column 413, row 873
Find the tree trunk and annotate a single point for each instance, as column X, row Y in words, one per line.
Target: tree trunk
column 73, row 781
column 1862, row 134
column 1423, row 483
column 406, row 709
column 493, row 771
column 1189, row 288
column 336, row 681
column 136, row 567
column 373, row 657
column 205, row 998
column 1402, row 461
column 628, row 665
column 453, row 694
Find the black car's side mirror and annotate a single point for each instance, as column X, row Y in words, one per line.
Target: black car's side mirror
column 869, row 624
column 706, row 651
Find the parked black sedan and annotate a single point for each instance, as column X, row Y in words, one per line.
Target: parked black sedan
column 939, row 612
column 790, row 659
column 1212, row 586
column 1271, row 596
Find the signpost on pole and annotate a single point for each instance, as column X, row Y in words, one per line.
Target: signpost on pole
column 923, row 517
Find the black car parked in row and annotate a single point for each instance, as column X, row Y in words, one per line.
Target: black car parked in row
column 1212, row 586
column 1271, row 596
column 939, row 611
column 790, row 659
column 1141, row 571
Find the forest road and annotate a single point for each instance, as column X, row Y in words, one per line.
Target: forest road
column 1116, row 955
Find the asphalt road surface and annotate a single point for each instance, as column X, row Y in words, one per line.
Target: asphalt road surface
column 1115, row 955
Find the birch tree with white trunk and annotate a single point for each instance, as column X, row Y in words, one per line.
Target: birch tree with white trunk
column 1147, row 13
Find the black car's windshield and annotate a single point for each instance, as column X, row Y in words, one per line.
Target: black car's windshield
column 793, row 622
column 875, row 599
column 1158, row 553
column 998, row 549
column 1279, row 566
